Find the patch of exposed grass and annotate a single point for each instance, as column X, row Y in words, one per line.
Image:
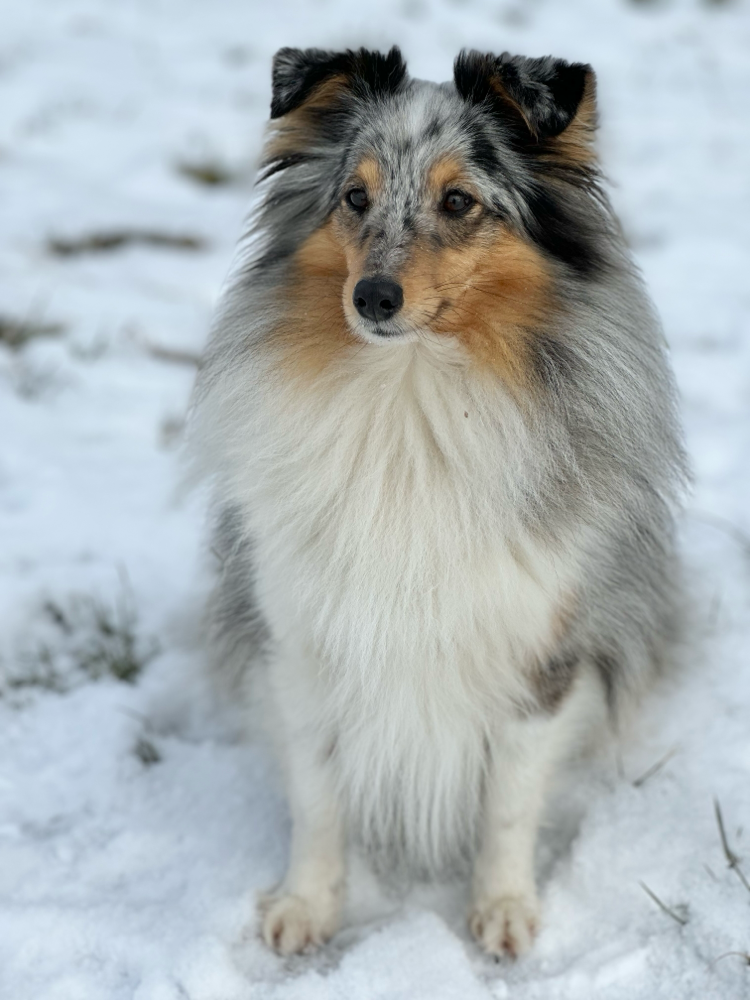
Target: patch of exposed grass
column 174, row 355
column 680, row 912
column 33, row 381
column 36, row 672
column 210, row 172
column 15, row 333
column 146, row 752
column 80, row 640
column 115, row 239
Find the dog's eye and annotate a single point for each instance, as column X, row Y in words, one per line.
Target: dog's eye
column 358, row 199
column 457, row 202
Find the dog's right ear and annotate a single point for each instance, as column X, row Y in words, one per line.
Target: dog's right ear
column 298, row 74
column 538, row 99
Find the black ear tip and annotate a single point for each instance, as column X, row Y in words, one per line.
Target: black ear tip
column 397, row 56
column 285, row 60
column 569, row 84
column 285, row 65
column 538, row 97
column 574, row 71
column 466, row 55
column 473, row 74
column 396, row 61
column 470, row 58
column 588, row 74
column 297, row 72
column 376, row 73
column 284, row 51
column 293, row 73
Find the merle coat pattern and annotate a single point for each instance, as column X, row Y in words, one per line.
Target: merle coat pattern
column 438, row 415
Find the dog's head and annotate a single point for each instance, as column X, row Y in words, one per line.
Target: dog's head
column 407, row 207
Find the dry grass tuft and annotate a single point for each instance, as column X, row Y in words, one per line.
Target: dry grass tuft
column 16, row 333
column 116, row 239
column 80, row 640
column 209, row 172
column 146, row 752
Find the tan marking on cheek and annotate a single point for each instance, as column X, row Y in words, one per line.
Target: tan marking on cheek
column 314, row 331
column 490, row 294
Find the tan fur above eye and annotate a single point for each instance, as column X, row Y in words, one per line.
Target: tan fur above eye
column 446, row 174
column 370, row 175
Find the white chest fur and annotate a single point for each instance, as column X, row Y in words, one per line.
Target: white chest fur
column 391, row 554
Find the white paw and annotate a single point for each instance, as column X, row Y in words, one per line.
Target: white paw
column 506, row 925
column 291, row 924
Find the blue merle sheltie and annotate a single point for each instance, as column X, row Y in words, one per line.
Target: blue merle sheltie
column 442, row 432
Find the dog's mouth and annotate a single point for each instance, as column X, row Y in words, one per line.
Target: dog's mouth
column 404, row 329
column 379, row 331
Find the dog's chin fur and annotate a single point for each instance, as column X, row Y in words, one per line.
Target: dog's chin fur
column 448, row 551
column 386, row 333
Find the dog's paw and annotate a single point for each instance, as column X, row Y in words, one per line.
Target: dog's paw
column 506, row 925
column 291, row 924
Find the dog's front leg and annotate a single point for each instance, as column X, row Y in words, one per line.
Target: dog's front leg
column 305, row 911
column 505, row 909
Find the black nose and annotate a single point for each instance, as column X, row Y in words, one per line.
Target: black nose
column 378, row 298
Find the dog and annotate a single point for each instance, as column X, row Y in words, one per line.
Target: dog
column 443, row 438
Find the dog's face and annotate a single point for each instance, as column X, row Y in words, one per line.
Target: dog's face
column 452, row 209
column 424, row 247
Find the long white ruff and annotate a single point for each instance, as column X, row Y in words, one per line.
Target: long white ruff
column 394, row 567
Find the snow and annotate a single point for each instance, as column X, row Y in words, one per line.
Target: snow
column 124, row 878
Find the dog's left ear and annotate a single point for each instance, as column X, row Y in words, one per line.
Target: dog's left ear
column 538, row 98
column 299, row 74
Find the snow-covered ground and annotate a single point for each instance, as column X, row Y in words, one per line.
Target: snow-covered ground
column 134, row 830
